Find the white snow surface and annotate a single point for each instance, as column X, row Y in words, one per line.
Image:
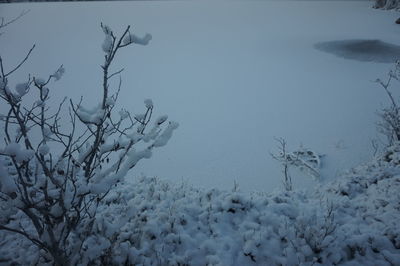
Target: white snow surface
column 234, row 74
column 350, row 221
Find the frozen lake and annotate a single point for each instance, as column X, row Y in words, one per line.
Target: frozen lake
column 233, row 74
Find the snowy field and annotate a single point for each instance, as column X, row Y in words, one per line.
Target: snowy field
column 233, row 74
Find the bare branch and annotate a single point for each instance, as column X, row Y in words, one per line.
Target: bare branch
column 4, row 23
column 115, row 73
column 21, row 63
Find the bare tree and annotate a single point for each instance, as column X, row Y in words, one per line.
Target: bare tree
column 56, row 181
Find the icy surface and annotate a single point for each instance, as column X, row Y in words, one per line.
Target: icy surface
column 233, row 74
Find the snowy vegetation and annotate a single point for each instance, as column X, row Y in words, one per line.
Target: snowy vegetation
column 304, row 159
column 387, row 4
column 351, row 221
column 389, row 125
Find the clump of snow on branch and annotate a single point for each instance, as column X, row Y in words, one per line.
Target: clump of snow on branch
column 163, row 139
column 59, row 73
column 22, row 88
column 161, row 119
column 16, row 151
column 106, row 29
column 4, row 89
column 148, row 103
column 44, row 149
column 40, row 81
column 123, row 114
column 107, row 44
column 92, row 116
column 306, row 160
column 132, row 38
column 7, row 183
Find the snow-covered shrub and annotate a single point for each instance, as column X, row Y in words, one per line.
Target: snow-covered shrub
column 146, row 221
column 304, row 159
column 389, row 125
column 387, row 4
column 313, row 233
column 54, row 177
column 351, row 221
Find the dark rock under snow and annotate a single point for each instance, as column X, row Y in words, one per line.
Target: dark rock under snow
column 362, row 50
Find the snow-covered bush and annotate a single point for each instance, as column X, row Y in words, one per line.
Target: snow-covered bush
column 146, row 221
column 351, row 221
column 304, row 159
column 389, row 125
column 54, row 177
column 387, row 4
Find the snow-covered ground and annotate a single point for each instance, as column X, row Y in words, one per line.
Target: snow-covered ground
column 233, row 74
column 350, row 221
